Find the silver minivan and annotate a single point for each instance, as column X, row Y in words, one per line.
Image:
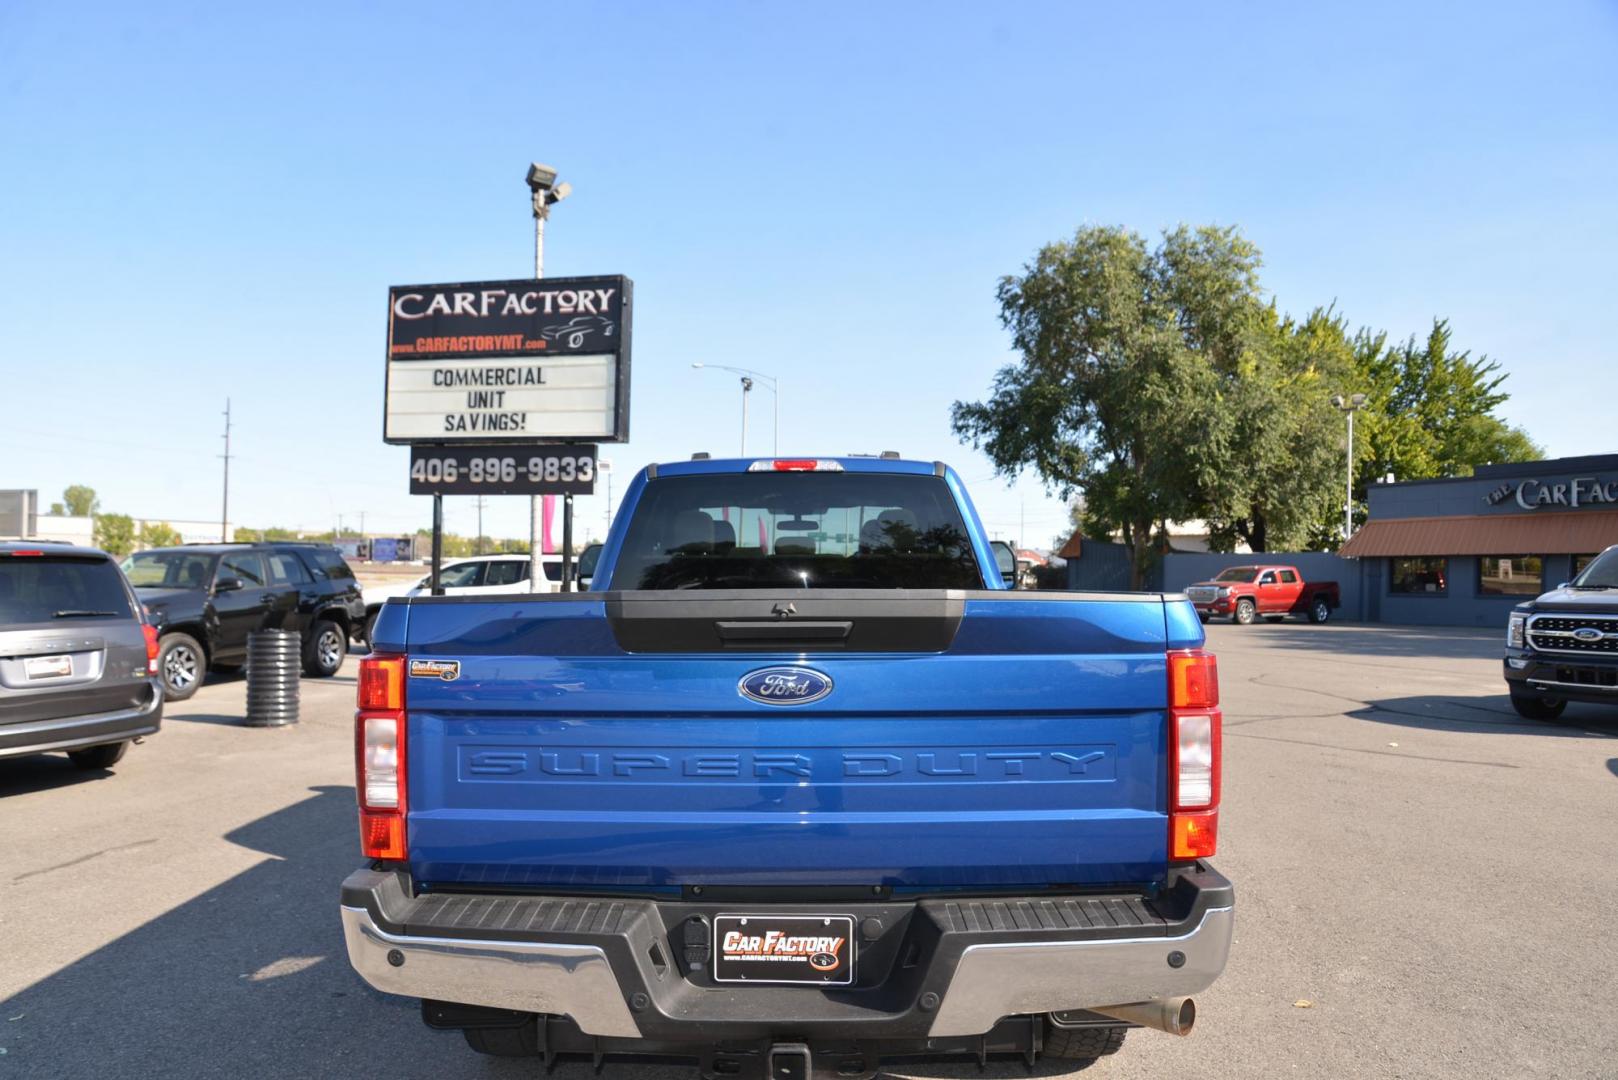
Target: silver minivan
column 78, row 661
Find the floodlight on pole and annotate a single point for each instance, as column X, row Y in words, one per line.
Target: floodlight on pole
column 1350, row 404
column 774, row 386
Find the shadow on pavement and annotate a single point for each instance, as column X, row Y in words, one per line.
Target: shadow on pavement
column 1461, row 643
column 43, row 772
column 249, row 978
column 1486, row 715
column 223, row 719
column 1612, row 766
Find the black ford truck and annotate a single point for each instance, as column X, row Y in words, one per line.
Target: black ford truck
column 1563, row 646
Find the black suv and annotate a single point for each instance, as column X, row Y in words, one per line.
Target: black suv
column 205, row 599
column 76, row 659
column 1563, row 646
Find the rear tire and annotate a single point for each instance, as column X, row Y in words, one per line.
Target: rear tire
column 1246, row 612
column 99, row 757
column 1537, row 706
column 1082, row 1044
column 324, row 651
column 181, row 666
column 1319, row 611
column 504, row 1042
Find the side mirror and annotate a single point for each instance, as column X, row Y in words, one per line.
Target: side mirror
column 1005, row 557
column 227, row 584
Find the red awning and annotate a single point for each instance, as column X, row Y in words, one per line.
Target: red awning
column 1574, row 532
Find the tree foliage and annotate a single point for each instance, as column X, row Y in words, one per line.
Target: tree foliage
column 1430, row 411
column 1126, row 353
column 81, row 501
column 115, row 533
column 1158, row 385
column 154, row 534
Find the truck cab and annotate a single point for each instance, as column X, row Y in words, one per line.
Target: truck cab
column 796, row 788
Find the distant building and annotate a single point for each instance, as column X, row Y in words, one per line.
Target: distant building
column 20, row 519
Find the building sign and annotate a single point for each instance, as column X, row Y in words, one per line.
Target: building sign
column 531, row 360
column 503, row 469
column 1575, row 494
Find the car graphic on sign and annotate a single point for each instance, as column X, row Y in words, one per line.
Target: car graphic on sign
column 573, row 332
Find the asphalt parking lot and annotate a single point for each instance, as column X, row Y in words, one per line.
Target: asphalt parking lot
column 1426, row 887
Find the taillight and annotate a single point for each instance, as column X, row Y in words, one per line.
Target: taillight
column 1194, row 756
column 149, row 632
column 379, row 738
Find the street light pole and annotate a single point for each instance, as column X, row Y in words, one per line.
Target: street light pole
column 1351, row 404
column 546, row 193
column 771, row 383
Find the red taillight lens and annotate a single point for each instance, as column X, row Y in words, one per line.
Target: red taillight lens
column 1193, row 680
column 379, row 750
column 381, row 683
column 1194, row 754
column 1194, row 835
column 150, row 633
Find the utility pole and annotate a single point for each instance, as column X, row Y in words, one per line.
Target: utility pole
column 546, row 193
column 480, row 525
column 604, row 465
column 747, row 386
column 224, row 502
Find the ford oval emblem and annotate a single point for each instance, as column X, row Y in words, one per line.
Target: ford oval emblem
column 1588, row 633
column 784, row 686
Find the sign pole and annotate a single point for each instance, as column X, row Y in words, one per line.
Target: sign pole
column 437, row 587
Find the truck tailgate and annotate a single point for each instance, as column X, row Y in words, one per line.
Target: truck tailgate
column 1030, row 751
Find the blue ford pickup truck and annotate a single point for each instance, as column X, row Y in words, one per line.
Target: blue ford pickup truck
column 798, row 788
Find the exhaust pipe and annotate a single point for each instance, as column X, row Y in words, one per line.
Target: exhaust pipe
column 1177, row 1016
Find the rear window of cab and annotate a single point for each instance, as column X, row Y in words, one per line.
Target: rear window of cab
column 805, row 530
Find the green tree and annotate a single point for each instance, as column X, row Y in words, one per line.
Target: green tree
column 154, row 534
column 115, row 533
column 1127, row 357
column 57, row 509
column 1430, row 411
column 1280, row 477
column 81, row 501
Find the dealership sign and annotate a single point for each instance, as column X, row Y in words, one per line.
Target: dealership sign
column 532, row 360
column 1580, row 492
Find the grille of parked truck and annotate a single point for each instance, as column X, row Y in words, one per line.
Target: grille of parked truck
column 797, row 788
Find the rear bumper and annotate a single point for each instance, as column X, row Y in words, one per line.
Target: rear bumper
column 79, row 732
column 927, row 969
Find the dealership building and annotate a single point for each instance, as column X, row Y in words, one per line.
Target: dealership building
column 1461, row 552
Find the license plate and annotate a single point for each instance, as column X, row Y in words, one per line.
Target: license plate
column 809, row 950
column 47, row 667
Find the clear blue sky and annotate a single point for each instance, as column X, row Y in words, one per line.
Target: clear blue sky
column 210, row 200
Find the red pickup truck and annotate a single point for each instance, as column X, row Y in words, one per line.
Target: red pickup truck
column 1247, row 593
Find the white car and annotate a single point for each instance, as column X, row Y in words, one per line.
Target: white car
column 477, row 574
column 482, row 574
